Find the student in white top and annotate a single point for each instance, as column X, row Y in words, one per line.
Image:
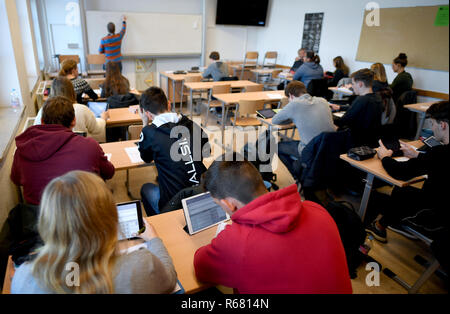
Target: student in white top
column 86, row 122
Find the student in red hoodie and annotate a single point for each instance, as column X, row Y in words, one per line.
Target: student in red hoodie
column 50, row 150
column 276, row 243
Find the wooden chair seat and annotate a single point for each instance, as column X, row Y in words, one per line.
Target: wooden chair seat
column 246, row 121
column 215, row 103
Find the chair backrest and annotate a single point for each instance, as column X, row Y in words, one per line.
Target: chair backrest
column 270, row 55
column 134, row 132
column 221, row 89
column 247, row 107
column 254, row 88
column 191, row 79
column 62, row 58
column 251, row 56
column 96, row 59
column 284, row 101
column 319, row 88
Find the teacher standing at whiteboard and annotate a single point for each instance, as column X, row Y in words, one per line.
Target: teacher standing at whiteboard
column 112, row 44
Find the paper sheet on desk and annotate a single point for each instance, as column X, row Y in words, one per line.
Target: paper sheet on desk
column 274, row 96
column 108, row 156
column 339, row 114
column 133, row 109
column 134, row 155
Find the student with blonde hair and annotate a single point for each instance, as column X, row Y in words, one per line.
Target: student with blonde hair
column 78, row 223
column 85, row 118
column 379, row 79
column 69, row 69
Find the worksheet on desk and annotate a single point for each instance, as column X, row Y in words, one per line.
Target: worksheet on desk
column 274, row 96
column 134, row 155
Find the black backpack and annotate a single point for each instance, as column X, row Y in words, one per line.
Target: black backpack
column 351, row 230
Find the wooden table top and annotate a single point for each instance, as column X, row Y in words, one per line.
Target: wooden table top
column 122, row 116
column 178, row 77
column 375, row 167
column 180, row 245
column 209, row 85
column 277, row 126
column 264, row 70
column 119, row 157
column 420, row 107
column 236, row 97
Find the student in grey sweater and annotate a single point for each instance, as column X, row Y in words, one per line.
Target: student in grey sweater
column 310, row 69
column 311, row 116
column 79, row 225
column 217, row 69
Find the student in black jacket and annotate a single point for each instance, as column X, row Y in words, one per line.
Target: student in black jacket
column 364, row 115
column 403, row 82
column 342, row 71
column 176, row 144
column 426, row 208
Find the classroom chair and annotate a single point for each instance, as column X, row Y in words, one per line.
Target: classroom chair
column 189, row 79
column 272, row 57
column 273, row 81
column 96, row 60
column 250, row 60
column 254, row 88
column 213, row 103
column 245, row 116
column 431, row 267
column 319, row 88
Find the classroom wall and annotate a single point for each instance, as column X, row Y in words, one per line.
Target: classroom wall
column 340, row 35
column 8, row 76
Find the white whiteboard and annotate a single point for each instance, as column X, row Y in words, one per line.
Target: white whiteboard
column 148, row 33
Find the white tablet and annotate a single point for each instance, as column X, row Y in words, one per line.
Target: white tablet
column 201, row 212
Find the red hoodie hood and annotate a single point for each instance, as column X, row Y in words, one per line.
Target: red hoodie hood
column 40, row 142
column 276, row 211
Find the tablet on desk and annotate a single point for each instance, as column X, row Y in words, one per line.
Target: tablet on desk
column 98, row 108
column 130, row 219
column 201, row 212
column 266, row 113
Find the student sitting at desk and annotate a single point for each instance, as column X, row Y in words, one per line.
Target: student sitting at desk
column 426, row 209
column 85, row 118
column 298, row 60
column 310, row 69
column 341, row 71
column 379, row 79
column 217, row 70
column 276, row 243
column 364, row 115
column 311, row 116
column 69, row 69
column 403, row 82
column 49, row 150
column 176, row 144
column 79, row 225
column 117, row 88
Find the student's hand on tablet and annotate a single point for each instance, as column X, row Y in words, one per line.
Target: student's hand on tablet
column 149, row 233
column 408, row 150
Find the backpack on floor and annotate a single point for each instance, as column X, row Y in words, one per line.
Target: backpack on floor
column 351, row 230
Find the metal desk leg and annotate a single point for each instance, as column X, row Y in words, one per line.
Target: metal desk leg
column 191, row 105
column 174, row 100
column 420, row 126
column 366, row 195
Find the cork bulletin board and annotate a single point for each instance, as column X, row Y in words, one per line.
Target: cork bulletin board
column 416, row 31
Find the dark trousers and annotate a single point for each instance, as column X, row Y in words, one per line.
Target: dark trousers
column 150, row 195
column 289, row 156
column 405, row 202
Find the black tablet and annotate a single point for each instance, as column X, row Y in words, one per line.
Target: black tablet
column 266, row 113
column 130, row 219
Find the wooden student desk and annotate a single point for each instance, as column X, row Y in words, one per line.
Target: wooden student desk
column 174, row 84
column 122, row 117
column 374, row 168
column 180, row 245
column 234, row 98
column 205, row 86
column 421, row 109
column 263, row 72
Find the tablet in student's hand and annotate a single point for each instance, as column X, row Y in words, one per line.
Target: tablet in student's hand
column 130, row 219
column 201, row 212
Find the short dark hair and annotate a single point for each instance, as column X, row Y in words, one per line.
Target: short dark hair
column 402, row 59
column 214, row 55
column 295, row 88
column 439, row 111
column 365, row 76
column 154, row 100
column 111, row 28
column 58, row 110
column 237, row 179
